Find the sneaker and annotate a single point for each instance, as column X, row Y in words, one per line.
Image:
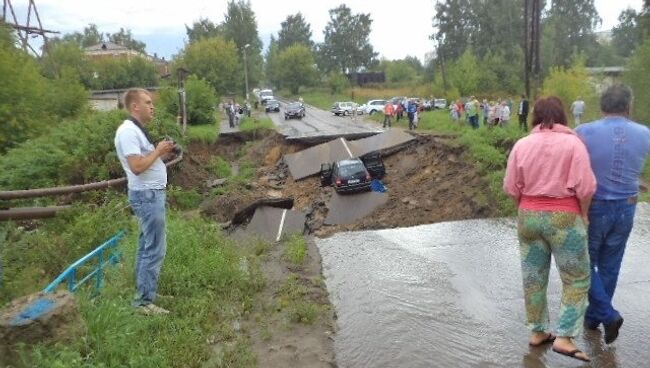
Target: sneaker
column 611, row 330
column 152, row 310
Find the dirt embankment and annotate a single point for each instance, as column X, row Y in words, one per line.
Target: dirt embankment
column 429, row 181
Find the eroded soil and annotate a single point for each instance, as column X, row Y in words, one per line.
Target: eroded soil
column 431, row 180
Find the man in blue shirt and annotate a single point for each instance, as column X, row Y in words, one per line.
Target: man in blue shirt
column 618, row 148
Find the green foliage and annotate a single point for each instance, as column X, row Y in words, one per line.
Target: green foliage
column 121, row 73
column 220, row 167
column 216, row 61
column 90, row 36
column 296, row 67
column 203, row 28
column 203, row 133
column 400, row 71
column 294, row 30
column 293, row 300
column 200, row 101
column 296, row 249
column 465, row 73
column 239, row 26
column 125, row 38
column 183, row 199
column 202, row 271
column 337, row 82
column 638, row 79
column 568, row 84
column 77, row 151
column 254, row 124
column 346, row 45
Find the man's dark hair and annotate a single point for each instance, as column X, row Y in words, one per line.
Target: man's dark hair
column 616, row 99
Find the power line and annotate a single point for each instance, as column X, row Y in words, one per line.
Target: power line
column 26, row 31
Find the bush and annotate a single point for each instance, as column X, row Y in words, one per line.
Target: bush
column 569, row 84
column 639, row 80
column 337, row 82
column 220, row 167
column 76, row 151
column 201, row 101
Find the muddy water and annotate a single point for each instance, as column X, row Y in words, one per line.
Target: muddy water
column 449, row 295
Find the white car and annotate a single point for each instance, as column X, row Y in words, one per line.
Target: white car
column 374, row 106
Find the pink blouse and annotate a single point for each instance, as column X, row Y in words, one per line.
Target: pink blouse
column 549, row 170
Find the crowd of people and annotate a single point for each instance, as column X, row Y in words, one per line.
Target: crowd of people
column 576, row 192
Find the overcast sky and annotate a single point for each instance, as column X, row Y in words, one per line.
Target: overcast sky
column 398, row 29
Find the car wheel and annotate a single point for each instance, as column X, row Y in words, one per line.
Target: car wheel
column 372, row 112
column 345, row 113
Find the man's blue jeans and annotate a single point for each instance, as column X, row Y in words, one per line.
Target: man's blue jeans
column 149, row 207
column 610, row 223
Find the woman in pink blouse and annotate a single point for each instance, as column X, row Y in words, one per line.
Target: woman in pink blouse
column 549, row 176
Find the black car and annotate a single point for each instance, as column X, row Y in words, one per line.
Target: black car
column 272, row 105
column 346, row 176
column 374, row 164
column 294, row 110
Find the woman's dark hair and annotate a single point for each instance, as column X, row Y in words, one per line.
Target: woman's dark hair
column 549, row 111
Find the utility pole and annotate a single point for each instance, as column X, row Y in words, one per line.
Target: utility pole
column 532, row 64
column 182, row 98
column 246, row 70
column 25, row 32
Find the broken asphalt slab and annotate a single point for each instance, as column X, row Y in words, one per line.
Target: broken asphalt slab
column 346, row 209
column 307, row 162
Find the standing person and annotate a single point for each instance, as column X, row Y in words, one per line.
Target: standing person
column 411, row 110
column 147, row 178
column 231, row 113
column 472, row 112
column 523, row 113
column 578, row 109
column 388, row 113
column 550, row 178
column 485, row 108
column 504, row 114
column 618, row 148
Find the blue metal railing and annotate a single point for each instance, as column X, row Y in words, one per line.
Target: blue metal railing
column 105, row 254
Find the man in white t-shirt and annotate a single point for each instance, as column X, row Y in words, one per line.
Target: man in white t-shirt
column 147, row 178
column 578, row 109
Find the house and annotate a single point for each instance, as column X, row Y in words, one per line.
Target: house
column 113, row 50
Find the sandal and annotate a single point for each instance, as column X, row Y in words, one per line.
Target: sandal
column 549, row 338
column 572, row 354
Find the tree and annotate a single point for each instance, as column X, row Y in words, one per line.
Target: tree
column 346, row 46
column 215, row 60
column 294, row 30
column 296, row 67
column 400, row 71
column 200, row 101
column 63, row 55
column 121, row 73
column 240, row 26
column 568, row 31
column 204, row 28
column 638, row 79
column 465, row 73
column 90, row 36
column 569, row 84
column 454, row 23
column 627, row 34
column 124, row 38
column 273, row 64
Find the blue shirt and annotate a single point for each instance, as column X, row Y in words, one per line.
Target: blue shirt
column 618, row 148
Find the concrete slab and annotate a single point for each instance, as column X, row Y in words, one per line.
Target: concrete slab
column 272, row 223
column 347, row 208
column 307, row 162
column 384, row 142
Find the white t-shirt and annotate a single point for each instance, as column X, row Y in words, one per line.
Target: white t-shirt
column 129, row 140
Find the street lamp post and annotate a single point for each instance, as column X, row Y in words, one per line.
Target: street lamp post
column 246, row 70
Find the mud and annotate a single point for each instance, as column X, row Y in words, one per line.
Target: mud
column 429, row 181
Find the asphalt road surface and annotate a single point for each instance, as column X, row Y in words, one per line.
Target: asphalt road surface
column 319, row 125
column 450, row 295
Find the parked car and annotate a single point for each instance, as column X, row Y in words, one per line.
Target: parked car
column 374, row 106
column 439, row 103
column 294, row 110
column 272, row 105
column 347, row 176
column 343, row 108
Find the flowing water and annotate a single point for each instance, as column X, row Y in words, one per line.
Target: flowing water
column 450, row 295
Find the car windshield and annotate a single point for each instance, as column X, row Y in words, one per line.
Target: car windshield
column 272, row 102
column 352, row 169
column 293, row 105
column 266, row 93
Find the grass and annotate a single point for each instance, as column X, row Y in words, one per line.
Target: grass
column 293, row 299
column 220, row 167
column 296, row 249
column 206, row 133
column 254, row 124
column 202, row 271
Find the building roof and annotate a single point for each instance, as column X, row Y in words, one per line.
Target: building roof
column 106, row 46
